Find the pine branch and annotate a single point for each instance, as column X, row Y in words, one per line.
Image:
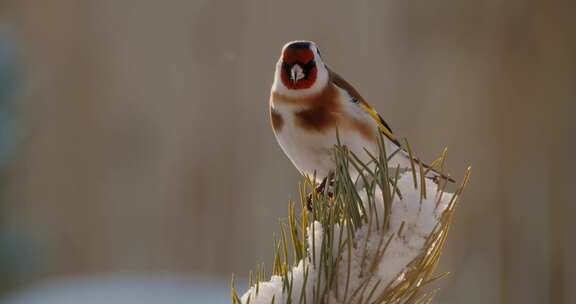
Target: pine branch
column 376, row 239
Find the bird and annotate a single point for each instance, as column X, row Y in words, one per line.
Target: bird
column 312, row 109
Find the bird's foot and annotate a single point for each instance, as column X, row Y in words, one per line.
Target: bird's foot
column 326, row 182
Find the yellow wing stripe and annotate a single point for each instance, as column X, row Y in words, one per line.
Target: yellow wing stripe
column 377, row 118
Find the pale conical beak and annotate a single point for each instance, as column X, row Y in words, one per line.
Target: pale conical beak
column 296, row 73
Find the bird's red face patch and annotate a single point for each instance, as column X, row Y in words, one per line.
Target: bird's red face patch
column 299, row 69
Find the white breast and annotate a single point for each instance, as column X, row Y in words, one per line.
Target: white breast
column 310, row 151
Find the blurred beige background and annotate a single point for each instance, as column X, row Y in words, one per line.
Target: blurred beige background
column 148, row 145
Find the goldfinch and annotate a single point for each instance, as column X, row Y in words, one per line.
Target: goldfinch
column 309, row 103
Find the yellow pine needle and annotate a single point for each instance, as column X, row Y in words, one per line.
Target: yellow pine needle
column 233, row 292
column 401, row 229
column 298, row 246
column 422, row 182
column 411, row 156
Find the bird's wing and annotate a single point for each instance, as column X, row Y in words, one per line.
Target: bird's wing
column 382, row 125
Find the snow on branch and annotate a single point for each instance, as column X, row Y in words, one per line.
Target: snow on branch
column 376, row 239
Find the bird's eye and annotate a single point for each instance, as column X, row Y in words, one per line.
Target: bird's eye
column 355, row 100
column 285, row 66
